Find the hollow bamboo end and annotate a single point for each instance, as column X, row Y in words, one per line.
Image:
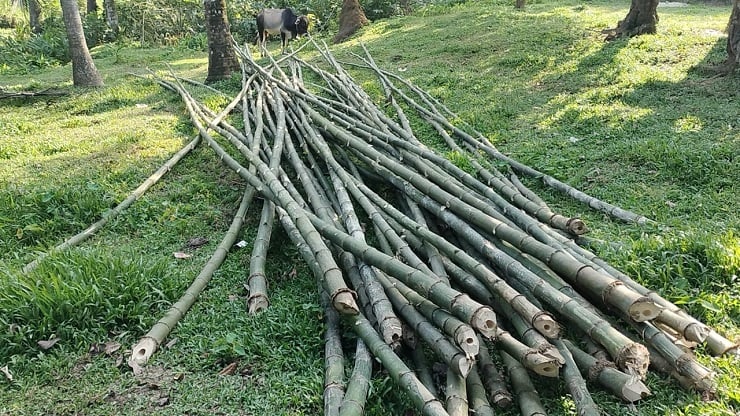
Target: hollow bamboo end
column 634, row 359
column 484, row 320
column 576, row 226
column 546, row 325
column 468, row 342
column 542, row 365
column 142, row 352
column 643, row 309
column 257, row 304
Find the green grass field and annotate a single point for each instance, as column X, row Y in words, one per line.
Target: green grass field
column 641, row 123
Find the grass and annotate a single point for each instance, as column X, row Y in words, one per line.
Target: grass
column 638, row 122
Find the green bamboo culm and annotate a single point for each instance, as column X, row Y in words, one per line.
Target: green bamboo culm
column 477, row 398
column 420, row 396
column 576, row 385
column 358, row 386
column 148, row 344
column 526, row 395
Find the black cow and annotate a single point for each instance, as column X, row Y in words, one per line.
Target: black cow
column 283, row 21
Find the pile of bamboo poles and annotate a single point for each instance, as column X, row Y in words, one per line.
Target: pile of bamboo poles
column 426, row 261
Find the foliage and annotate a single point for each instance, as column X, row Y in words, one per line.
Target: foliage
column 80, row 297
column 25, row 51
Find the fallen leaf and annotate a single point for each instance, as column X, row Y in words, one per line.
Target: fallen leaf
column 241, row 244
column 111, row 347
column 5, row 370
column 178, row 376
column 670, row 204
column 196, row 242
column 228, row 370
column 181, row 255
column 163, row 401
column 172, row 342
column 45, row 345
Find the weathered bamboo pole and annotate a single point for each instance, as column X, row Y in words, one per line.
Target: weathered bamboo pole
column 342, row 297
column 359, row 383
column 493, row 379
column 422, row 398
column 626, row 387
column 576, row 385
column 528, row 357
column 333, row 358
column 525, row 394
column 421, row 368
column 477, row 398
column 456, row 396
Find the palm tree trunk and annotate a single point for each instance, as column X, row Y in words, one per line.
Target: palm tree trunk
column 221, row 55
column 84, row 73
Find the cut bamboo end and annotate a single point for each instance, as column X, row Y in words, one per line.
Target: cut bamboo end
column 257, row 303
column 576, row 226
column 484, row 320
column 634, row 359
column 546, row 325
column 502, row 399
column 542, row 365
column 143, row 351
column 461, row 365
column 719, row 345
column 468, row 342
column 344, row 302
column 643, row 309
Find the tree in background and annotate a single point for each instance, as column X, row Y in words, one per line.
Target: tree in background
column 733, row 37
column 642, row 18
column 351, row 19
column 84, row 73
column 222, row 60
column 34, row 16
column 92, row 6
column 111, row 16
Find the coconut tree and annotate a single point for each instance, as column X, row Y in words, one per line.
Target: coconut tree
column 642, row 18
column 221, row 55
column 84, row 73
column 351, row 18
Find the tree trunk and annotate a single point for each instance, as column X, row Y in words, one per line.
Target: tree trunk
column 111, row 16
column 221, row 55
column 34, row 15
column 520, row 4
column 733, row 37
column 642, row 18
column 84, row 73
column 92, row 6
column 351, row 18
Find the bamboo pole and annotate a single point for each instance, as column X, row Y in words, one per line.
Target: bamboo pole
column 525, row 394
column 359, row 383
column 576, row 385
column 493, row 379
column 477, row 398
column 456, row 401
column 149, row 343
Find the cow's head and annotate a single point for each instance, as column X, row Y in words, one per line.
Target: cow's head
column 301, row 25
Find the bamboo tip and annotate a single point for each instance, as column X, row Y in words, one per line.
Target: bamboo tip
column 344, row 303
column 696, row 332
column 644, row 309
column 142, row 352
column 634, row 390
column 576, row 226
column 547, row 325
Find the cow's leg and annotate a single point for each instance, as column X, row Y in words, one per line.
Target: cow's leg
column 283, row 42
column 263, row 43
